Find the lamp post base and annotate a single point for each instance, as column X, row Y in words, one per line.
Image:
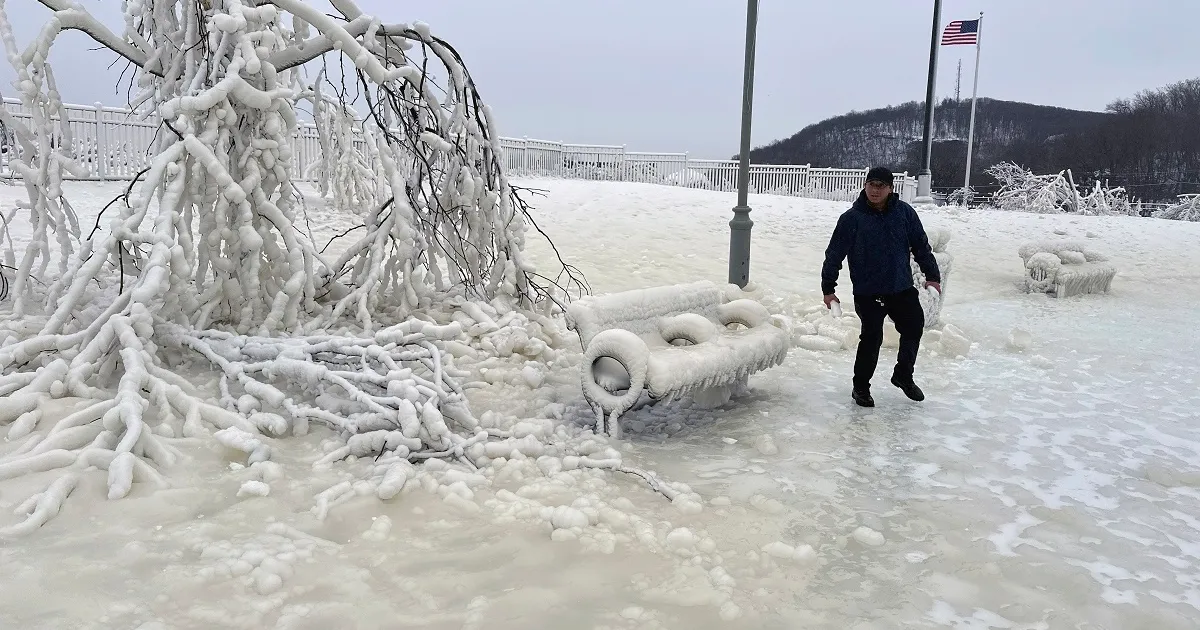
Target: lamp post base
column 739, row 246
column 924, row 187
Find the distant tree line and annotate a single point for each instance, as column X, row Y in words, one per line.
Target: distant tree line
column 1149, row 144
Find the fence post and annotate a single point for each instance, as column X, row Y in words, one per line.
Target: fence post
column 101, row 144
column 297, row 151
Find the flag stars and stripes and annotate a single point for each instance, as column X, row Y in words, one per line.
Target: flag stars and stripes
column 961, row 32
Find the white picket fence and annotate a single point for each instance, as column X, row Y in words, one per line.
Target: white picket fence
column 114, row 144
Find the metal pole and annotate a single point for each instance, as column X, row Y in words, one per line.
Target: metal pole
column 924, row 177
column 740, row 225
column 971, row 129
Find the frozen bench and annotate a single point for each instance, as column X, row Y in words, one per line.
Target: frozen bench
column 1065, row 268
column 670, row 341
column 938, row 239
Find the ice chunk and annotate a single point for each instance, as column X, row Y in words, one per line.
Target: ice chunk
column 254, row 489
column 565, row 517
column 779, row 550
column 817, row 343
column 532, row 376
column 868, row 536
column 766, row 445
column 954, row 343
column 1020, row 339
column 682, row 541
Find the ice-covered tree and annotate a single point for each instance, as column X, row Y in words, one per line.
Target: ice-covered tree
column 204, row 258
column 1022, row 190
column 1188, row 209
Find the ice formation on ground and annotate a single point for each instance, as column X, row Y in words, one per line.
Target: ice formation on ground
column 932, row 301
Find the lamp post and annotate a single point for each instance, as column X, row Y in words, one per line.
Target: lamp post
column 925, row 176
column 740, row 225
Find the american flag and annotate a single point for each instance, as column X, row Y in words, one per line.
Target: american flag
column 961, row 32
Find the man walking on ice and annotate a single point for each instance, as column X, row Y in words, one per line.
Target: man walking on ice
column 877, row 234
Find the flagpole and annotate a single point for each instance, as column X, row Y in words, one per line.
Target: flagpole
column 974, row 92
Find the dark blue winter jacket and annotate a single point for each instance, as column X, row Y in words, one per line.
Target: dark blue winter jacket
column 878, row 243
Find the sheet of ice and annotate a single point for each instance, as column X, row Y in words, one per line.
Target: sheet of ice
column 1092, row 434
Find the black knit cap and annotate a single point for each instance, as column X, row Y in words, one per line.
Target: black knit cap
column 881, row 175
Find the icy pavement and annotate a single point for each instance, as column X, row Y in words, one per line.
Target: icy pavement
column 1053, row 483
column 1050, row 483
column 1040, row 488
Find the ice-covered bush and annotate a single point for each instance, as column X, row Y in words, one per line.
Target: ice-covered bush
column 1023, row 191
column 1188, row 209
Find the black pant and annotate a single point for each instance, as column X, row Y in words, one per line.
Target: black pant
column 905, row 310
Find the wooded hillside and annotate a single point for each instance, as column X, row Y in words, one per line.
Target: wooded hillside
column 1149, row 143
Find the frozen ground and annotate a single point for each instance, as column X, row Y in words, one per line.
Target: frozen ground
column 1054, row 484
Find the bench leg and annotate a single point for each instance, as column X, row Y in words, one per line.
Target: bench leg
column 613, row 427
column 597, row 411
column 609, row 425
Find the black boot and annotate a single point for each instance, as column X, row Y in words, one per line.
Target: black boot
column 862, row 397
column 909, row 388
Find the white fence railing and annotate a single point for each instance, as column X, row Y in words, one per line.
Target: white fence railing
column 114, row 144
column 613, row 163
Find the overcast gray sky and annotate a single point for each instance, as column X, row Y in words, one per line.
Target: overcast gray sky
column 666, row 75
